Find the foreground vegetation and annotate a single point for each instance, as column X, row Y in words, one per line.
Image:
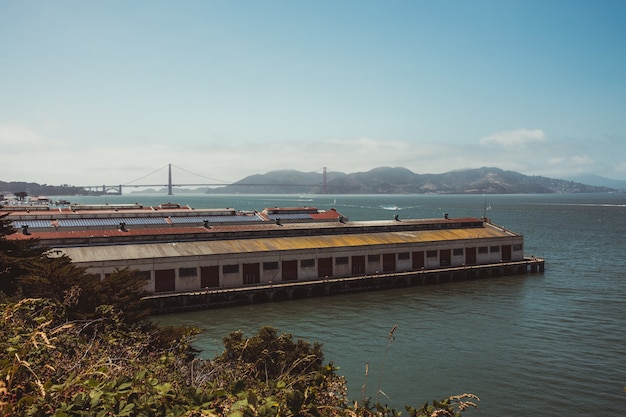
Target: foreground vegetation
column 71, row 345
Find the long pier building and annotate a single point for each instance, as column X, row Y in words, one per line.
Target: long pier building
column 199, row 258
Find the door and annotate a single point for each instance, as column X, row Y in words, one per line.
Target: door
column 445, row 257
column 209, row 276
column 389, row 262
column 506, row 252
column 290, row 270
column 358, row 265
column 418, row 260
column 325, row 267
column 251, row 273
column 164, row 280
column 470, row 256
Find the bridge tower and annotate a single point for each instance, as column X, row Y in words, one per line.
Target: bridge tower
column 169, row 180
column 324, row 183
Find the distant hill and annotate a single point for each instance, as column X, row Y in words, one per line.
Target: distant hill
column 600, row 181
column 382, row 180
column 34, row 189
column 396, row 180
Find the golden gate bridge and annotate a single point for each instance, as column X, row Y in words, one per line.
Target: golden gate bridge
column 212, row 182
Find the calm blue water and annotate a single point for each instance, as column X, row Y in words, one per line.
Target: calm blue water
column 541, row 345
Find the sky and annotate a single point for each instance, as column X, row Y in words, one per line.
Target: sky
column 111, row 92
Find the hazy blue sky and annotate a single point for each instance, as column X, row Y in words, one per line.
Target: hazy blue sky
column 109, row 91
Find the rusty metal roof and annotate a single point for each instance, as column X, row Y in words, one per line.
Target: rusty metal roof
column 242, row 246
column 100, row 221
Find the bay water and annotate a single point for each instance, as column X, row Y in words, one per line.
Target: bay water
column 528, row 345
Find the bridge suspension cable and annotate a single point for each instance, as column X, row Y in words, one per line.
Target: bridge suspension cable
column 202, row 176
column 145, row 176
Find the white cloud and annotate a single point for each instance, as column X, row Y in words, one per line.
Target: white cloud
column 110, row 165
column 621, row 167
column 582, row 160
column 15, row 136
column 227, row 161
column 517, row 137
column 567, row 165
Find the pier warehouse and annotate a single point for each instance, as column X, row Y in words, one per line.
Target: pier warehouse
column 181, row 250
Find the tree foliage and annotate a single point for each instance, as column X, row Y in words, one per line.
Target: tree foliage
column 103, row 366
column 272, row 355
column 17, row 257
column 26, row 270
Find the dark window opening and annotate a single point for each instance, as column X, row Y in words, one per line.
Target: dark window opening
column 230, row 269
column 307, row 263
column 187, row 272
column 268, row 266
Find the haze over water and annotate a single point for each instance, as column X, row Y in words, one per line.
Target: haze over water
column 543, row 344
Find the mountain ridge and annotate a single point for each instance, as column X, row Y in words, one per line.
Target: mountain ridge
column 593, row 179
column 400, row 180
column 380, row 180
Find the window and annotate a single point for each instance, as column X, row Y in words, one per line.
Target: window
column 483, row 249
column 187, row 272
column 431, row 254
column 147, row 275
column 307, row 263
column 230, row 269
column 457, row 252
column 373, row 258
column 342, row 260
column 404, row 255
column 517, row 247
column 268, row 266
column 494, row 249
